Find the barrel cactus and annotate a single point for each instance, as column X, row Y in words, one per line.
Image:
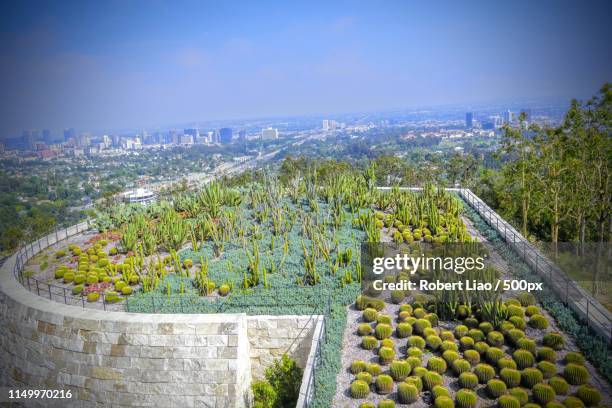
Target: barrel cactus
column 461, row 331
column 506, row 362
column 403, row 330
column 369, row 342
column 431, row 379
column 460, row 366
column 559, row 384
column 373, row 368
column 400, row 369
column 358, row 366
column 543, row 393
column 493, row 355
column 523, row 358
column 472, row 356
column 364, row 376
column 437, row 364
column 486, row 327
column 496, row 388
column 468, row 380
column 495, row 339
column 466, row 343
column 576, row 374
column 508, row 401
column 520, row 394
column 416, row 341
column 449, row 356
column 420, row 325
column 384, row 318
column 449, row 345
column 518, row 322
column 466, row 399
column 511, row 377
column 369, row 315
column 547, row 354
column 528, row 344
column 416, row 381
column 359, row 389
column 574, row 357
column 386, row 355
column 386, row 403
column 573, row 402
column 444, row 402
column 547, row 368
column 383, row 331
column 407, row 393
column 589, row 395
column 515, row 335
column 484, row 372
column 384, row 384
column 537, row 321
column 554, row 340
column 531, row 377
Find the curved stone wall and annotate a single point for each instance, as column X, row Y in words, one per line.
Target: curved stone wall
column 130, row 359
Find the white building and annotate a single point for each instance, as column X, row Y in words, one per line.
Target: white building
column 325, row 125
column 140, row 195
column 269, row 133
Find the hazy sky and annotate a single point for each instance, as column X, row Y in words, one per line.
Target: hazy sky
column 121, row 64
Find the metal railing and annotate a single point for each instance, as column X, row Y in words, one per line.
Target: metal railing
column 311, row 383
column 567, row 290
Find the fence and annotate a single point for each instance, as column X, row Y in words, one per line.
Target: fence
column 584, row 305
column 311, row 384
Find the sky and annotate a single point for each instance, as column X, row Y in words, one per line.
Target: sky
column 99, row 65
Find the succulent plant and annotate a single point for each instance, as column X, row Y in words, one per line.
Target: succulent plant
column 520, row 394
column 448, row 345
column 419, row 312
column 400, row 369
column 531, row 310
column 514, row 310
column 547, row 354
column 397, row 296
column 420, row 325
column 531, row 405
column 405, row 308
column 493, row 355
column 518, row 322
column 416, row 381
column 461, row 331
column 433, row 319
column 93, row 296
column 495, row 339
column 486, row 327
column 460, row 366
column 537, row 321
column 547, row 368
column 506, row 362
column 437, row 364
column 358, row 366
column 385, row 319
column 543, row 393
column 359, row 389
column 528, row 344
column 573, row 402
column 484, row 372
column 369, row 342
column 447, row 335
column 554, row 340
column 433, row 342
column 384, row 384
column 466, row 399
column 77, row 289
column 369, row 315
column 574, row 357
column 363, row 329
column 576, row 374
column 476, row 335
column 383, row 331
column 367, row 404
column 523, row 358
column 449, row 356
column 531, row 377
column 514, row 335
column 387, row 343
column 403, row 330
column 416, row 341
column 407, row 393
column 419, row 371
column 386, row 355
column 468, row 380
column 511, row 377
column 431, row 379
column 472, row 356
column 508, row 401
column 373, row 369
column 481, row 347
column 466, row 343
column 559, row 384
column 386, row 403
column 364, row 376
column 440, row 391
column 589, row 395
column 496, row 388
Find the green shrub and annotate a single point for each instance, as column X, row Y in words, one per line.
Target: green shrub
column 484, row 372
column 461, row 331
column 386, row 355
column 466, row 343
column 384, row 384
column 416, row 341
column 589, row 395
column 528, row 344
column 547, row 354
column 576, row 374
column 400, row 369
column 407, row 393
column 460, row 366
column 543, row 393
column 554, row 340
column 373, row 369
column 559, row 384
column 531, row 377
column 369, row 315
column 468, row 380
column 444, row 402
column 547, row 368
column 523, row 358
column 416, row 381
column 363, row 329
column 431, row 379
column 364, row 376
column 449, row 356
column 472, row 356
column 508, row 401
column 495, row 339
column 493, row 355
column 404, row 330
column 437, row 364
column 386, row 403
column 285, row 377
column 466, row 399
column 537, row 321
column 264, row 396
column 511, row 377
column 496, row 388
column 369, row 342
column 573, row 402
column 358, row 366
column 359, row 389
column 448, row 345
column 574, row 357
column 520, row 394
column 433, row 342
column 506, row 362
column 383, row 331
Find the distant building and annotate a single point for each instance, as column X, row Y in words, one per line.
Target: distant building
column 507, row 117
column 269, row 133
column 140, row 195
column 325, row 125
column 186, row 139
column 195, row 133
column 46, row 136
column 28, row 139
column 69, row 134
column 242, row 136
column 225, row 135
column 469, row 117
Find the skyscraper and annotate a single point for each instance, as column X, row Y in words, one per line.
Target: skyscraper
column 469, row 116
column 46, row 136
column 507, row 117
column 225, row 135
column 269, row 133
column 69, row 134
column 242, row 136
column 325, row 125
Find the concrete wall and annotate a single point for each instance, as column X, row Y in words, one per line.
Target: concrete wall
column 130, row 359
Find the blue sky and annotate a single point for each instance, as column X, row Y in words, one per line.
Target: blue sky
column 124, row 64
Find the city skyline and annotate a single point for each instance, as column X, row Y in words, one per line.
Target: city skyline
column 98, row 66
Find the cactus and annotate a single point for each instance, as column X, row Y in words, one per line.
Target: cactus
column 374, row 369
column 414, row 352
column 472, row 356
column 486, row 327
column 444, row 402
column 576, row 374
column 573, row 402
column 400, row 369
column 359, row 389
column 531, row 377
column 432, row 318
column 547, row 368
column 431, row 379
column 461, row 331
column 439, row 391
column 484, row 372
column 93, row 296
column 547, row 354
column 363, row 329
column 574, row 357
column 511, row 377
column 407, row 393
column 420, row 325
column 528, row 344
column 493, row 355
column 387, row 343
column 554, row 340
column 496, row 388
column 523, row 358
column 383, row 331
column 433, row 342
column 369, row 315
column 468, row 380
column 386, row 355
column 495, row 339
column 447, row 335
column 476, row 335
column 403, row 330
column 437, row 364
column 384, row 319
column 384, row 384
column 367, row 404
column 358, row 366
column 481, row 347
column 537, row 321
column 449, row 356
column 414, row 362
column 506, row 362
column 416, row 381
column 386, row 403
column 520, row 394
column 515, row 335
column 369, row 342
column 466, row 343
column 543, row 393
column 429, row 331
column 461, row 366
column 416, row 341
column 518, row 322
column 589, row 395
column 531, row 310
column 364, row 376
column 559, row 384
column 466, row 399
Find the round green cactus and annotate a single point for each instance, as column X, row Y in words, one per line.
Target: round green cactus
column 486, row 327
column 406, row 308
column 449, row 356
column 431, row 379
column 574, row 357
column 466, row 343
column 386, row 403
column 484, row 372
column 359, row 389
column 369, row 315
column 433, row 342
column 531, row 377
column 514, row 335
column 576, row 374
column 554, row 340
column 419, row 312
column 449, row 345
column 419, row 371
column 531, row 405
column 466, row 399
column 493, row 355
column 510, row 376
column 397, row 296
column 495, row 339
column 461, row 331
column 547, row 354
column 520, row 394
column 384, row 384
column 543, row 393
column 383, row 331
column 420, row 325
column 93, row 297
column 416, row 341
column 460, row 366
column 387, row 343
column 547, row 368
column 364, row 376
column 537, row 321
column 358, row 366
column 447, row 335
column 364, row 329
column 508, row 401
column 514, row 310
column 440, row 391
column 433, row 319
column 559, row 384
column 589, row 395
column 531, row 310
column 369, row 342
column 385, row 319
column 386, row 355
column 526, row 299
column 518, row 322
column 506, row 362
column 468, row 380
column 573, row 402
column 471, row 322
column 367, row 404
column 528, row 344
column 416, row 381
column 404, row 330
column 373, row 369
column 472, row 356
column 444, row 402
column 481, row 347
column 400, row 369
column 407, row 393
column 496, row 388
column 523, row 358
column 414, row 352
